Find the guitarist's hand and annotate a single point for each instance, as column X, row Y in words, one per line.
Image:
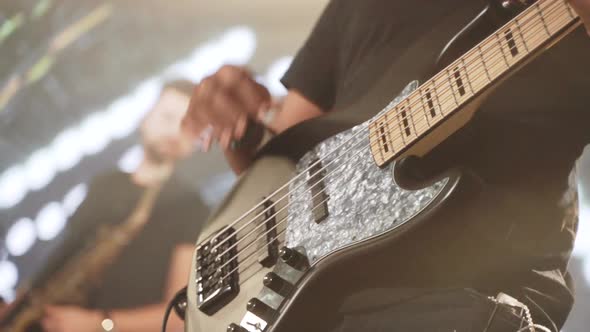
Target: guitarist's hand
column 582, row 7
column 221, row 105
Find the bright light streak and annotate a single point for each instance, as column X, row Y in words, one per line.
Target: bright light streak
column 74, row 198
column 13, row 187
column 50, row 221
column 121, row 117
column 131, row 159
column 9, row 274
column 66, row 149
column 94, row 134
column 236, row 46
column 274, row 74
column 124, row 115
column 20, row 237
column 40, row 169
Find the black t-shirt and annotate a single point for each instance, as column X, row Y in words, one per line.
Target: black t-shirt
column 523, row 141
column 138, row 275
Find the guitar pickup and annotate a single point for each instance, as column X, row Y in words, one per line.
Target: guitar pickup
column 319, row 196
column 270, row 238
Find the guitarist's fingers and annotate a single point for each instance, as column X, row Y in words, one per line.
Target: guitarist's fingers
column 582, row 7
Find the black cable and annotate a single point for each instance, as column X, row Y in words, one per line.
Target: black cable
column 178, row 302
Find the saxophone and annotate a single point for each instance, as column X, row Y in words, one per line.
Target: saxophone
column 73, row 282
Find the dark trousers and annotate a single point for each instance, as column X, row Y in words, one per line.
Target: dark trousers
column 451, row 310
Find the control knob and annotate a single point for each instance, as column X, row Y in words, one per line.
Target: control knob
column 260, row 309
column 233, row 327
column 293, row 258
column 279, row 285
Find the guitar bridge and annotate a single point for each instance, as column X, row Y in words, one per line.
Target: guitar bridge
column 217, row 272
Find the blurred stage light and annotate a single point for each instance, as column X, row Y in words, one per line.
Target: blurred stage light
column 13, row 187
column 66, row 149
column 131, row 159
column 236, row 46
column 9, row 279
column 124, row 115
column 94, row 134
column 40, row 169
column 274, row 74
column 50, row 221
column 20, row 237
column 74, row 198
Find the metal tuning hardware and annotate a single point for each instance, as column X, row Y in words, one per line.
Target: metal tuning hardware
column 217, row 273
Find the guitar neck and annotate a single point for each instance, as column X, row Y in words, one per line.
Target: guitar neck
column 401, row 126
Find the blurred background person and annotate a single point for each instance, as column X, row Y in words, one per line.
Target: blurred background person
column 76, row 79
column 136, row 285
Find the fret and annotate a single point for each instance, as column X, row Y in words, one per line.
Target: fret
column 452, row 88
column 399, row 124
column 477, row 68
column 540, row 14
column 557, row 16
column 415, row 105
column 459, row 81
column 531, row 32
column 519, row 28
column 424, row 106
column 499, row 42
column 383, row 138
column 569, row 9
column 494, row 59
column 411, row 116
column 511, row 43
column 440, row 108
column 389, row 131
column 397, row 139
column 467, row 75
column 483, row 61
column 405, row 121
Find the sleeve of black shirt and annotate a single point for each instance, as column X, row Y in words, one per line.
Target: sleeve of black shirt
column 314, row 70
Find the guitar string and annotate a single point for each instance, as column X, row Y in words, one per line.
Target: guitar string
column 520, row 26
column 317, row 173
column 486, row 41
column 312, row 186
column 262, row 235
column 270, row 230
column 265, row 245
column 259, row 237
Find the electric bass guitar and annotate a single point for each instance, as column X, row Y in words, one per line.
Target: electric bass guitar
column 291, row 237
